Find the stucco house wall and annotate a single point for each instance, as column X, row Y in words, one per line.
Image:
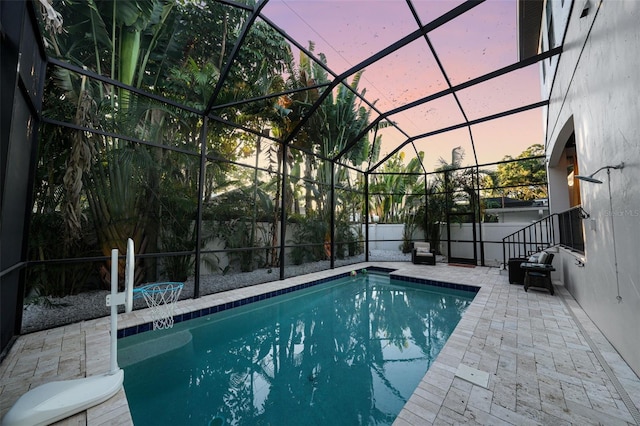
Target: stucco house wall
column 596, row 93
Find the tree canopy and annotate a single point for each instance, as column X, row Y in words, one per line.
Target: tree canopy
column 525, row 179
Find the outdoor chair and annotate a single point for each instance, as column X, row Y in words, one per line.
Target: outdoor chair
column 538, row 273
column 423, row 253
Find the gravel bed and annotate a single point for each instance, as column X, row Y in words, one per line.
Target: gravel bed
column 45, row 313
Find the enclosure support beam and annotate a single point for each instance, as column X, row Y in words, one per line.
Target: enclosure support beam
column 447, row 203
column 201, row 182
column 497, row 73
column 366, row 217
column 452, row 14
column 425, row 219
column 332, row 220
column 479, row 217
column 460, row 126
column 283, row 209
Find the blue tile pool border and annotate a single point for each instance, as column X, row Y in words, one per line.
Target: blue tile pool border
column 148, row 326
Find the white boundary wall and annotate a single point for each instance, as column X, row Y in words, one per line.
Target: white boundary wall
column 388, row 237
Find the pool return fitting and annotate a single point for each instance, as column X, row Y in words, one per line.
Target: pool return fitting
column 55, row 401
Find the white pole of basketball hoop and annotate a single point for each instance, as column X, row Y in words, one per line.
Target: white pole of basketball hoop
column 115, row 299
column 55, row 401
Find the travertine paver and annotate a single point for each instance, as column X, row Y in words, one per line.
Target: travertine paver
column 543, row 369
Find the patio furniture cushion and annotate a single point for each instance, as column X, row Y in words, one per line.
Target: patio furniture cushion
column 543, row 257
column 421, row 245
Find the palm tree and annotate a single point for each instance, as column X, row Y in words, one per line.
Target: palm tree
column 342, row 119
column 326, row 133
column 308, row 74
column 451, row 189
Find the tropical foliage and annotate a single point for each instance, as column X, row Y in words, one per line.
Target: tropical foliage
column 398, row 189
column 106, row 189
column 451, row 195
column 136, row 169
column 525, row 179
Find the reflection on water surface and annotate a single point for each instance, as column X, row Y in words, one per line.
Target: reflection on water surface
column 350, row 352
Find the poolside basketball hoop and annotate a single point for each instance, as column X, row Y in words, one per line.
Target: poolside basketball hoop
column 161, row 299
column 55, row 401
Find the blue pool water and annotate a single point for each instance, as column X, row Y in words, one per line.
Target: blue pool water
column 347, row 352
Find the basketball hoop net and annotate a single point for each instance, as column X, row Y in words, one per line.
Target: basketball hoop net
column 161, row 298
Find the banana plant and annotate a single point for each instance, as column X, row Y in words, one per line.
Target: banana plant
column 396, row 187
column 91, row 31
column 343, row 117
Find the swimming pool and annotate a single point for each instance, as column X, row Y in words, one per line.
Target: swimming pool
column 346, row 352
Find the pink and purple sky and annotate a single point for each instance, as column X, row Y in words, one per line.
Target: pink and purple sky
column 478, row 42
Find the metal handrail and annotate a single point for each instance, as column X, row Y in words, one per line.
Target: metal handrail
column 530, row 239
column 564, row 228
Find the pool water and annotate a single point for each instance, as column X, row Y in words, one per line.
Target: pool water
column 347, row 352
